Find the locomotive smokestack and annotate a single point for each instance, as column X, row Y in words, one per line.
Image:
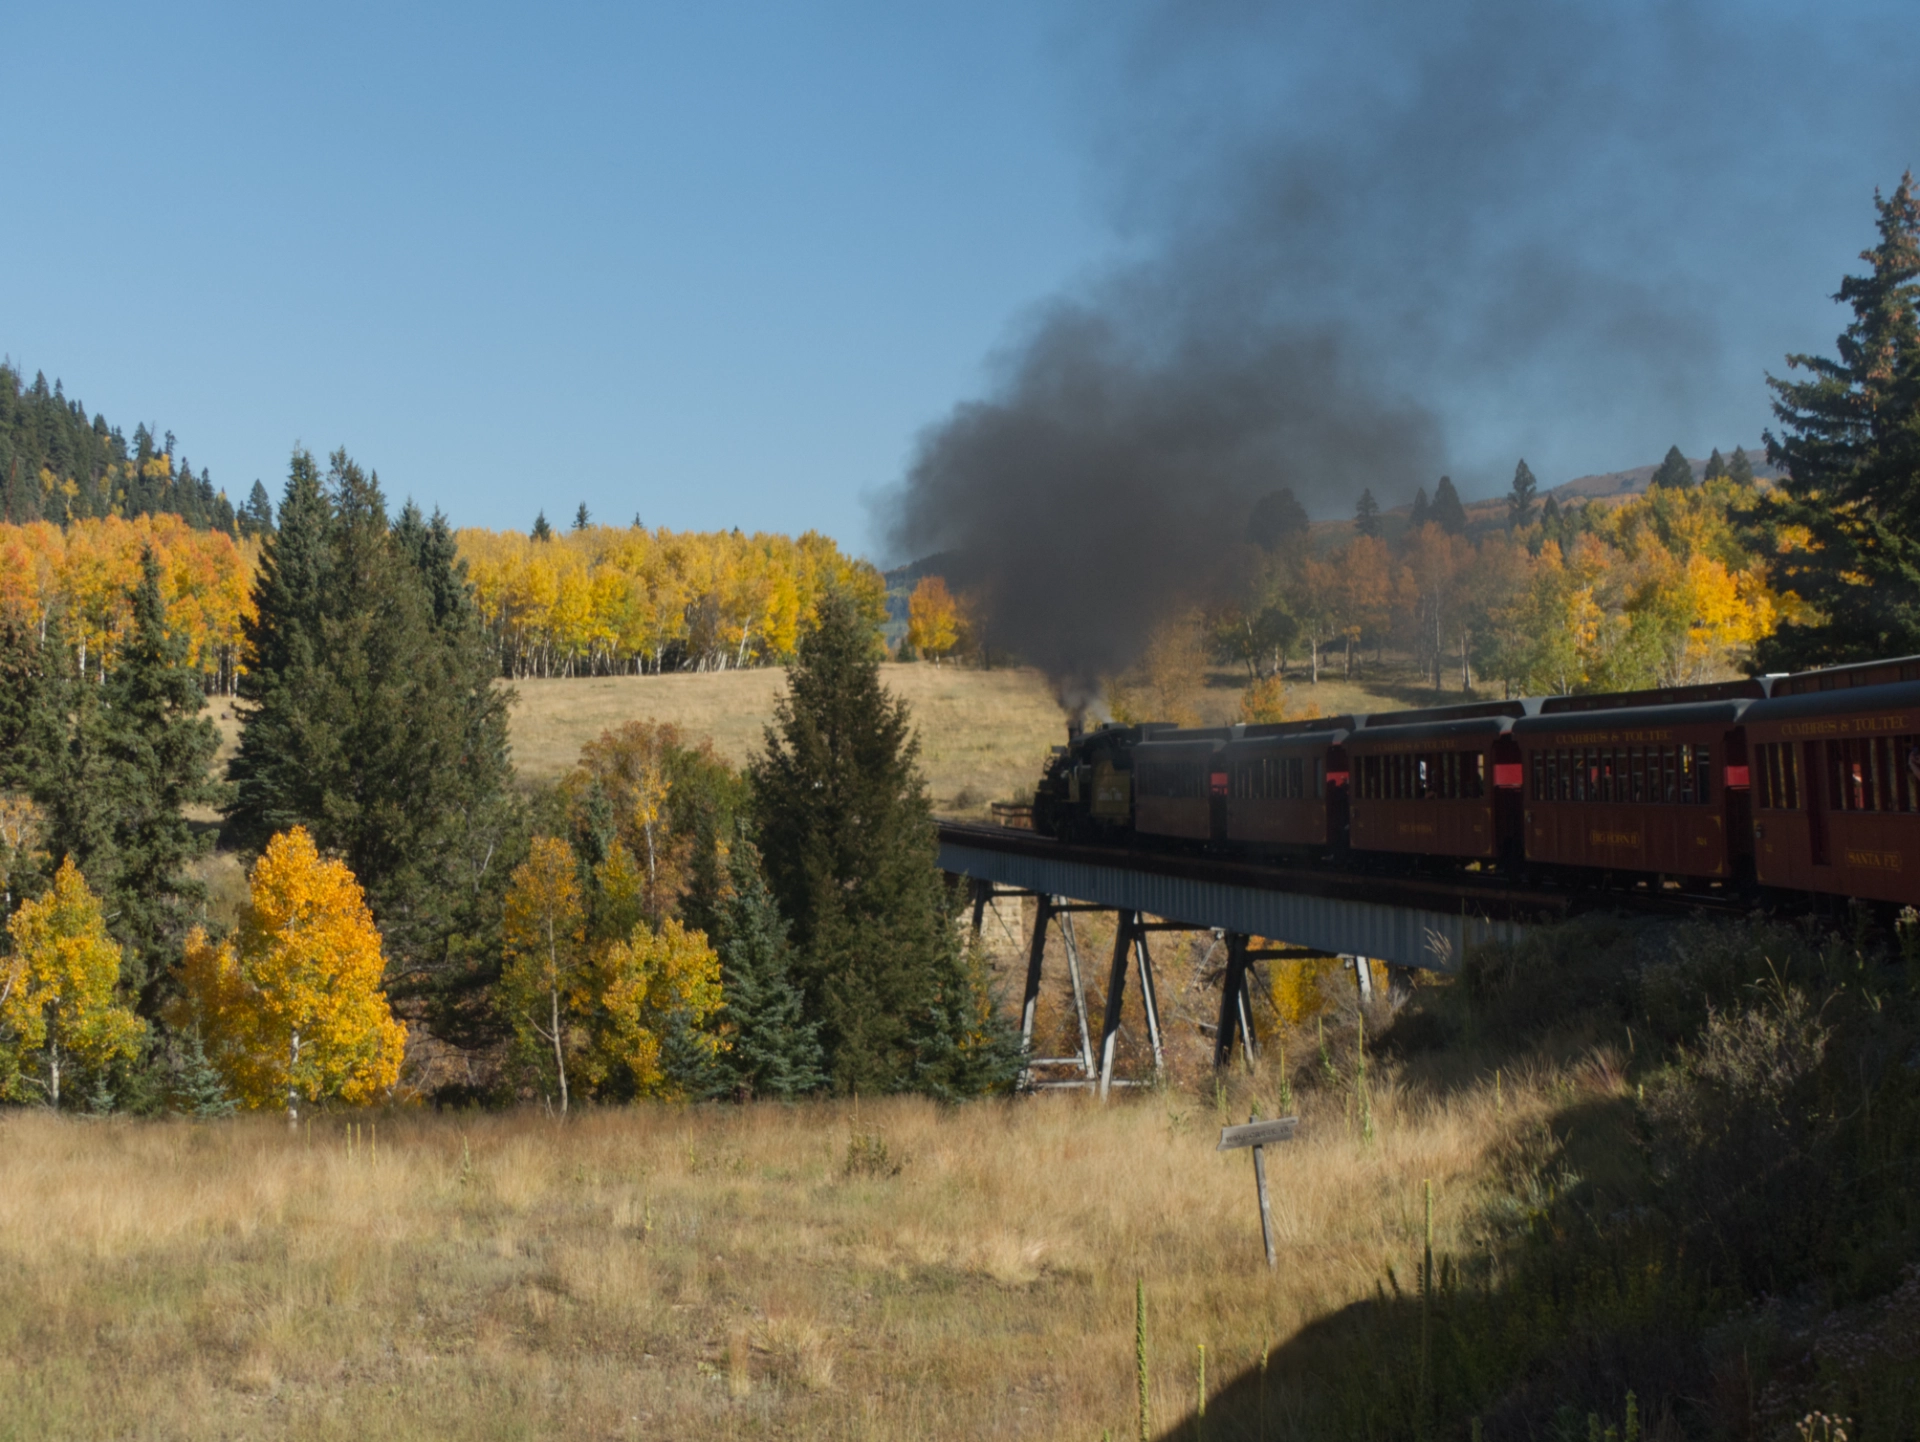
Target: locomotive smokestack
column 1076, row 726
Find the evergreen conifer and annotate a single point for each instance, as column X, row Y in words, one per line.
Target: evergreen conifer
column 542, row 531
column 847, row 839
column 1366, row 514
column 161, row 751
column 773, row 1050
column 1674, row 472
column 1740, row 469
column 72, row 776
column 581, row 518
column 1422, row 511
column 256, row 516
column 194, row 1086
column 28, row 711
column 374, row 720
column 1447, row 509
column 1850, row 445
column 1552, row 521
column 1520, row 500
column 1716, row 467
column 1277, row 518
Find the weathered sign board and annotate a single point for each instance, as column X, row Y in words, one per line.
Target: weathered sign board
column 1259, row 1135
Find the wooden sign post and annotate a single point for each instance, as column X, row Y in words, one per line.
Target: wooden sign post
column 1259, row 1135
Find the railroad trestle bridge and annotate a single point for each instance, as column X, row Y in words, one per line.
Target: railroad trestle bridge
column 1407, row 922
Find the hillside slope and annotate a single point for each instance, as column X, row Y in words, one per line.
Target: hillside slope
column 983, row 734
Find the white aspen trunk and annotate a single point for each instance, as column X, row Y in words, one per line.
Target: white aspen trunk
column 559, row 1055
column 53, row 1072
column 293, row 1088
column 553, row 997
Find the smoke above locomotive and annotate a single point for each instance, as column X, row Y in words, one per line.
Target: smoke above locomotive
column 1104, row 487
column 1369, row 242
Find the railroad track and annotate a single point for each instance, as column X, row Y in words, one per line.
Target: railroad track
column 1492, row 895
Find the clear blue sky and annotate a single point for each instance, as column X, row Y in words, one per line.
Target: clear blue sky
column 721, row 264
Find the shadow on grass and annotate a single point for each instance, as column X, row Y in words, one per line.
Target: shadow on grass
column 1710, row 1229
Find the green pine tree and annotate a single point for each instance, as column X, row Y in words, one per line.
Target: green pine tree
column 193, row 1085
column 847, row 840
column 1277, row 519
column 1366, row 514
column 112, row 764
column 1716, row 467
column 73, row 779
column 581, row 518
column 32, row 737
column 161, row 751
column 1675, row 472
column 1850, row 446
column 1447, row 509
column 963, row 1045
column 256, row 516
column 1520, row 500
column 773, row 1050
column 289, row 741
column 28, row 682
column 542, row 531
column 374, row 720
column 1422, row 511
column 1553, row 522
column 1740, row 469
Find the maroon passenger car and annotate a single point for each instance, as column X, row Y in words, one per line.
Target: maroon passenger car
column 1443, row 782
column 1649, row 782
column 1287, row 784
column 1180, row 783
column 1836, row 782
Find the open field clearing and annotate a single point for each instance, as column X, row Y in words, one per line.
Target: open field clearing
column 983, row 734
column 887, row 1271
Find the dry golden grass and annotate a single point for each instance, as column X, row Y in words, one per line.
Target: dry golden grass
column 983, row 734
column 711, row 1272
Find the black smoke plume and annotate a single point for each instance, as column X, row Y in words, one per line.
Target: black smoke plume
column 1385, row 237
column 1109, row 486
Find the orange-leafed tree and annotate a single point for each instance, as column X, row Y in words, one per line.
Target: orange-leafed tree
column 293, row 1008
column 933, row 619
column 546, row 949
column 57, row 988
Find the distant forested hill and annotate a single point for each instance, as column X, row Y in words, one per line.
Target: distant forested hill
column 56, row 465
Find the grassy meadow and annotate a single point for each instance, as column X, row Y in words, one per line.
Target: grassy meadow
column 884, row 1270
column 984, row 735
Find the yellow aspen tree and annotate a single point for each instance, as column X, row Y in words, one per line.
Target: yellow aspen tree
column 57, row 988
column 628, row 766
column 545, row 925
column 933, row 619
column 636, row 990
column 292, row 1007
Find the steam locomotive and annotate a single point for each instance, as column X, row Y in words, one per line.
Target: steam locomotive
column 1807, row 783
